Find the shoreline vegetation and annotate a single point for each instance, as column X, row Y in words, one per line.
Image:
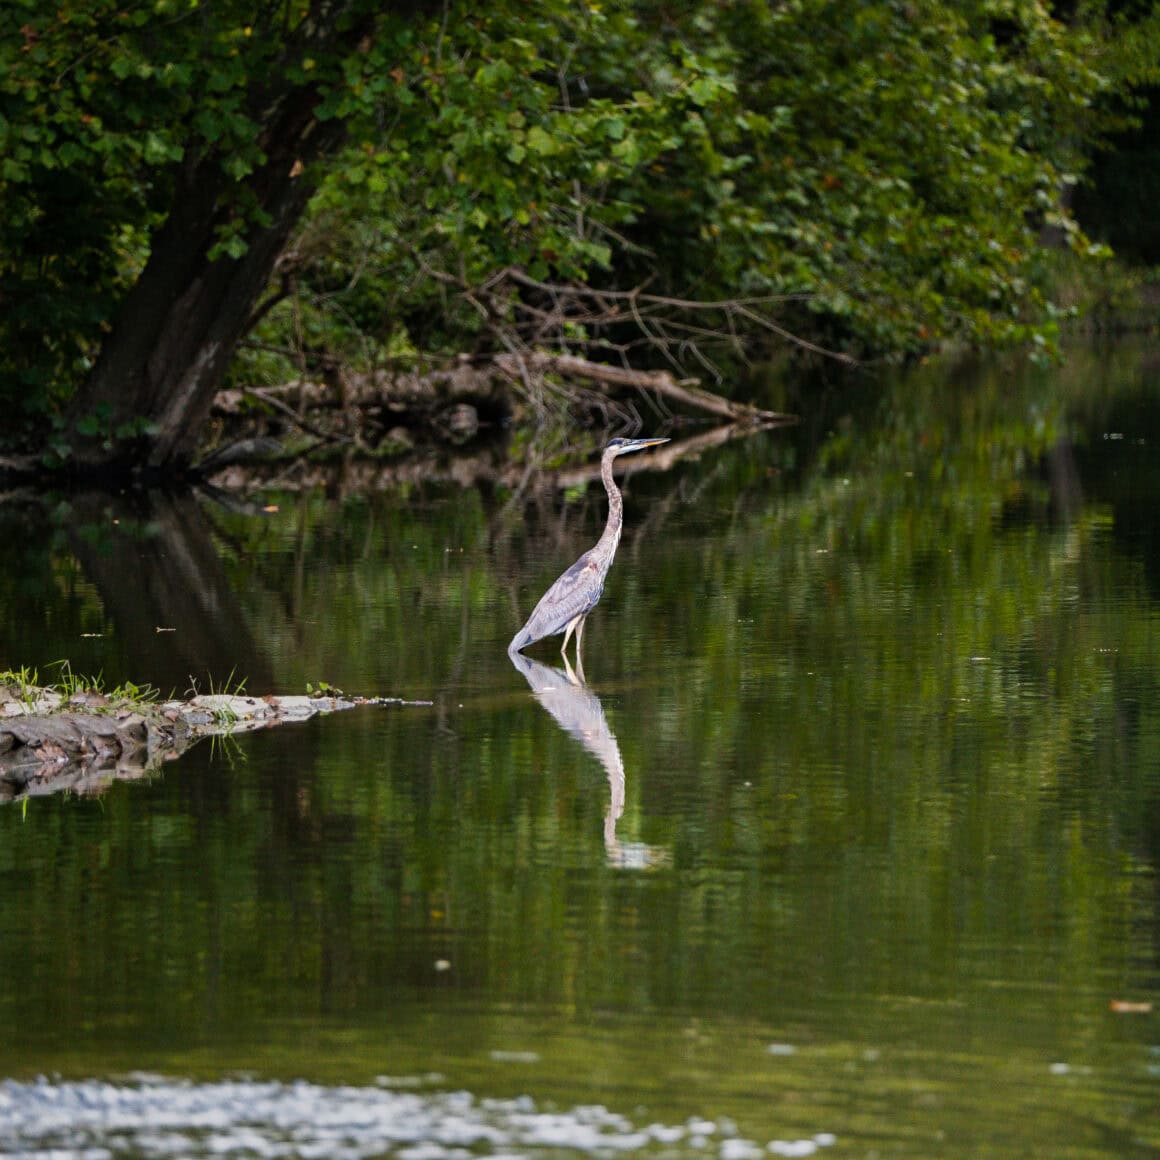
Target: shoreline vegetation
column 378, row 419
column 461, row 417
column 390, row 428
column 333, row 443
column 432, row 221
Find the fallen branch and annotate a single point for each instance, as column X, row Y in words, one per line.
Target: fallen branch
column 683, row 391
column 478, row 380
column 272, row 400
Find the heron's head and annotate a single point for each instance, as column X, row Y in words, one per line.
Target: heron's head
column 620, row 446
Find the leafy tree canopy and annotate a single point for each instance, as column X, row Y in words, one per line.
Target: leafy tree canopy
column 870, row 176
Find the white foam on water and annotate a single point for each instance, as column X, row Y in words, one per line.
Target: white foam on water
column 156, row 1117
column 740, row 1150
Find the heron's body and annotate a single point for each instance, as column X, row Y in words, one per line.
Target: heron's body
column 564, row 607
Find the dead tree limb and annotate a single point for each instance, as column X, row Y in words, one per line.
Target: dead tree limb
column 478, row 379
column 685, row 391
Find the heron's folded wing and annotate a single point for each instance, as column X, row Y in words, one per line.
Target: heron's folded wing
column 573, row 594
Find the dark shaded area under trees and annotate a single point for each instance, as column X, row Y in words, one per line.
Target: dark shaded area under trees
column 333, row 192
column 1118, row 202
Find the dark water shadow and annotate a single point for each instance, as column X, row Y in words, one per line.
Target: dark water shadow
column 578, row 711
column 153, row 559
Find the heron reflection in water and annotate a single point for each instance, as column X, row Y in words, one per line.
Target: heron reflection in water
column 578, row 711
column 566, row 605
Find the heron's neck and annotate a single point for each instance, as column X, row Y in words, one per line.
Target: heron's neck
column 606, row 547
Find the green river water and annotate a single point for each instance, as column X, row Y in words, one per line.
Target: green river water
column 849, row 847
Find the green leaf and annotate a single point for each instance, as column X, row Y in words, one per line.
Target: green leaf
column 540, row 142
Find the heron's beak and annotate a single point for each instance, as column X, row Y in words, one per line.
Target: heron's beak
column 641, row 444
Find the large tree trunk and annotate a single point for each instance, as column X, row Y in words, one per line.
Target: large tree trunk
column 153, row 384
column 154, row 381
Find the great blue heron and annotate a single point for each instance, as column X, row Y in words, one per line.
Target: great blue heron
column 566, row 605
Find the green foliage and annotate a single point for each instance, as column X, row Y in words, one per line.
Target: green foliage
column 322, row 689
column 894, row 166
column 117, row 697
column 23, row 683
column 884, row 176
column 495, row 149
column 881, row 172
column 95, row 105
column 103, row 109
column 26, row 687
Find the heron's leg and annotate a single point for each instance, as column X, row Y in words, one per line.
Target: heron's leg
column 568, row 633
column 579, row 657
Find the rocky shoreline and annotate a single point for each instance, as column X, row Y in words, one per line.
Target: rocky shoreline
column 53, row 743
